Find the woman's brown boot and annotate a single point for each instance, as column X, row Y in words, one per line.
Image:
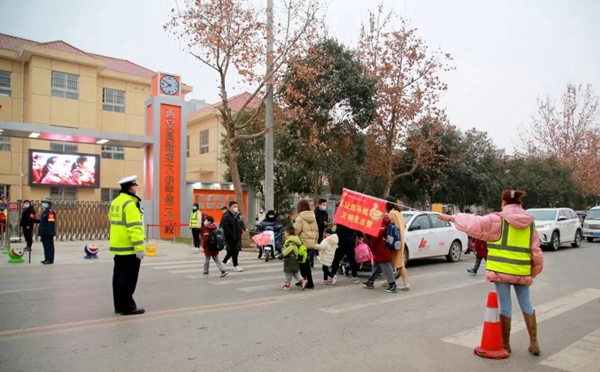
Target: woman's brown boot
column 505, row 326
column 531, row 323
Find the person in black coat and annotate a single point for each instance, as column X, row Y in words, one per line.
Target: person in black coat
column 322, row 219
column 270, row 223
column 233, row 227
column 347, row 242
column 28, row 219
column 47, row 230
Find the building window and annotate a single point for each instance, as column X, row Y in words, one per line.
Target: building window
column 5, row 89
column 4, row 143
column 187, row 146
column 5, row 192
column 204, row 142
column 63, row 147
column 113, row 100
column 65, row 85
column 108, row 195
column 64, row 193
column 113, row 152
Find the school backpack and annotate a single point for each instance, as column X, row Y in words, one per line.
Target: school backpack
column 394, row 238
column 363, row 253
column 216, row 240
column 302, row 254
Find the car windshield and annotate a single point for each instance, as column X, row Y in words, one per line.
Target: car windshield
column 593, row 214
column 407, row 215
column 543, row 214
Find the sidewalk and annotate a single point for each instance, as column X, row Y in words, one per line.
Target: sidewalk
column 72, row 252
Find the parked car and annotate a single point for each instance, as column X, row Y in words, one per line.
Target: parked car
column 427, row 236
column 557, row 226
column 591, row 225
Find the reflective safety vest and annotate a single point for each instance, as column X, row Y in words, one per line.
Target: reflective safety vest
column 126, row 226
column 511, row 254
column 194, row 219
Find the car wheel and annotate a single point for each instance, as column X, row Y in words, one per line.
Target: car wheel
column 578, row 238
column 455, row 252
column 405, row 257
column 590, row 240
column 555, row 241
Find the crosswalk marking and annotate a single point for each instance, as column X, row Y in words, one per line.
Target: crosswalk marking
column 545, row 311
column 247, row 280
column 356, row 305
column 258, row 288
column 581, row 356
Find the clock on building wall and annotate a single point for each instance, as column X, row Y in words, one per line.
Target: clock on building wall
column 169, row 85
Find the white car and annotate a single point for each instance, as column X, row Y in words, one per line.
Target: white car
column 557, row 226
column 427, row 236
column 591, row 225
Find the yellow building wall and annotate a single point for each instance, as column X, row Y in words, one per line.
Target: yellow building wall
column 205, row 167
column 86, row 112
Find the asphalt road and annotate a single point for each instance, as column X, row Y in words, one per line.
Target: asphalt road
column 60, row 318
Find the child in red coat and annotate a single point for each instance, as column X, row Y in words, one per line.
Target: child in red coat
column 207, row 226
column 481, row 252
column 382, row 258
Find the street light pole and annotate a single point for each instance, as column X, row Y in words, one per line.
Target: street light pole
column 269, row 185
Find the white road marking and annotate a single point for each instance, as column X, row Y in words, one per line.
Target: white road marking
column 357, row 305
column 580, row 356
column 248, row 280
column 25, row 290
column 259, row 288
column 472, row 337
column 231, row 271
column 189, row 264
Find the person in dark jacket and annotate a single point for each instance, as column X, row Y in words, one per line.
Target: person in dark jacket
column 322, row 219
column 382, row 258
column 347, row 242
column 270, row 223
column 28, row 219
column 47, row 230
column 233, row 227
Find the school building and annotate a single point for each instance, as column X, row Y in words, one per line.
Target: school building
column 65, row 112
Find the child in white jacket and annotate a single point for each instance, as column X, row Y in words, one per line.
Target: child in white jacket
column 326, row 254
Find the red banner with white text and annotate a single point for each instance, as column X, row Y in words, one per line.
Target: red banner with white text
column 360, row 212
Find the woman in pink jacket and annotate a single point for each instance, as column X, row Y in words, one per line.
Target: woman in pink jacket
column 492, row 228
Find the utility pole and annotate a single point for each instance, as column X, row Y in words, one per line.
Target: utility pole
column 269, row 184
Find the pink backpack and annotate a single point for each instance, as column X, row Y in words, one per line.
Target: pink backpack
column 363, row 253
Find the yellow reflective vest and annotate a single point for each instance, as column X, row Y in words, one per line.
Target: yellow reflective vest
column 511, row 254
column 194, row 219
column 126, row 226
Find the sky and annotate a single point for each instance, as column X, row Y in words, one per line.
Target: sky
column 506, row 53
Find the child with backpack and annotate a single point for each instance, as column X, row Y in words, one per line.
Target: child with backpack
column 481, row 252
column 291, row 266
column 212, row 243
column 327, row 249
column 382, row 258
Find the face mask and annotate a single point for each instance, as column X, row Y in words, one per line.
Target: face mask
column 323, row 207
column 206, row 223
column 195, row 208
column 236, row 210
column 25, row 206
column 44, row 205
column 271, row 216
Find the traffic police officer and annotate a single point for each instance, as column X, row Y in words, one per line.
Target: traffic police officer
column 127, row 245
column 47, row 230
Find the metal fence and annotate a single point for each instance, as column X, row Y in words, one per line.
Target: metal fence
column 75, row 220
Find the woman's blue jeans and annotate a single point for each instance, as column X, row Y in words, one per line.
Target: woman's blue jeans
column 503, row 290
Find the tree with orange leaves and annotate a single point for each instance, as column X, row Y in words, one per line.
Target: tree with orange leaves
column 570, row 133
column 229, row 37
column 409, row 87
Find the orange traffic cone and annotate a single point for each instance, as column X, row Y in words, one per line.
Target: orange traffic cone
column 491, row 339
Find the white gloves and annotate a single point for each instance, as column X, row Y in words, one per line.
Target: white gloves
column 140, row 255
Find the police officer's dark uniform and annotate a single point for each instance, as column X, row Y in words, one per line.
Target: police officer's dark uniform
column 47, row 230
column 127, row 244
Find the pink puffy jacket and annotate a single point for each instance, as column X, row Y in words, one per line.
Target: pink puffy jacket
column 489, row 228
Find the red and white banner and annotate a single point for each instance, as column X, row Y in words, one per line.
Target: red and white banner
column 360, row 212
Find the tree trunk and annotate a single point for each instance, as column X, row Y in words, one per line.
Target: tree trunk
column 389, row 181
column 316, row 185
column 235, row 173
